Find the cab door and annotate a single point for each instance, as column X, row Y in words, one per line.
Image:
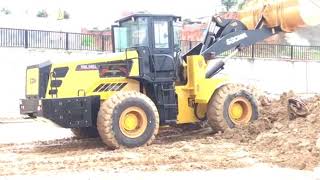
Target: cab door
column 162, row 44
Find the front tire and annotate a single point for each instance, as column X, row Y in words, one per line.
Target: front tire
column 128, row 119
column 230, row 106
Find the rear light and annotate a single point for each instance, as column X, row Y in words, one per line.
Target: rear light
column 39, row 108
column 21, row 106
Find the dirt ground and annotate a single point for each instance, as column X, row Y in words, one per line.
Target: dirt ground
column 272, row 140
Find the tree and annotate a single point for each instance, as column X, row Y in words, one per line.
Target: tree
column 187, row 21
column 42, row 13
column 66, row 15
column 5, row 11
column 241, row 5
column 229, row 3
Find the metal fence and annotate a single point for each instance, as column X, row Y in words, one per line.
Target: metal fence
column 54, row 40
column 278, row 51
column 97, row 42
column 275, row 51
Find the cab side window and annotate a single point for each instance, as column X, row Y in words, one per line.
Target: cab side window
column 161, row 34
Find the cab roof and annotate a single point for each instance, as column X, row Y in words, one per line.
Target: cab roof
column 148, row 15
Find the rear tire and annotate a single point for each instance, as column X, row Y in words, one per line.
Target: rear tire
column 128, row 119
column 87, row 132
column 230, row 106
column 32, row 115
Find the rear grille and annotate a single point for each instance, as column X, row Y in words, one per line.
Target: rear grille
column 60, row 72
column 56, row 83
column 109, row 87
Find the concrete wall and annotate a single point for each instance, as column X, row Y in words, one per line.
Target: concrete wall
column 272, row 76
column 275, row 76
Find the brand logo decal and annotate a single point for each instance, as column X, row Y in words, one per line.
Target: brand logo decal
column 86, row 67
column 237, row 38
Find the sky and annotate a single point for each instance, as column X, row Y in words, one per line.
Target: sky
column 102, row 13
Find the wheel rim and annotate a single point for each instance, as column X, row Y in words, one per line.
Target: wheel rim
column 133, row 122
column 240, row 111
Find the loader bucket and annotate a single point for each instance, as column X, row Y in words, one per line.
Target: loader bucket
column 288, row 14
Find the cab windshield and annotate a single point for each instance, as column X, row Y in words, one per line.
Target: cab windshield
column 131, row 33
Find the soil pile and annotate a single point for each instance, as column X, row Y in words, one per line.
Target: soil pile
column 276, row 139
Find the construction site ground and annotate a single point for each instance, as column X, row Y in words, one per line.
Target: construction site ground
column 273, row 145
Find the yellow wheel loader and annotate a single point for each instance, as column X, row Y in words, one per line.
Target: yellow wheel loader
column 146, row 83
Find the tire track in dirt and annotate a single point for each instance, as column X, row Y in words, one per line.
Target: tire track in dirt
column 172, row 150
column 273, row 140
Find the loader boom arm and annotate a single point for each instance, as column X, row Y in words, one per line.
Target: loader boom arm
column 227, row 34
column 259, row 20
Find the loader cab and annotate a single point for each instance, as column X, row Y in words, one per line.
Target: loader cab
column 155, row 38
column 158, row 34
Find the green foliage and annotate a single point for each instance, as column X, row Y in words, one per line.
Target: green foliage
column 241, row 5
column 5, row 11
column 187, row 21
column 42, row 13
column 229, row 3
column 87, row 41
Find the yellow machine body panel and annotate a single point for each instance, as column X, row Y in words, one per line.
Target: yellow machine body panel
column 197, row 91
column 32, row 81
column 75, row 82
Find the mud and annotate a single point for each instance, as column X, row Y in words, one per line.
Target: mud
column 272, row 140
